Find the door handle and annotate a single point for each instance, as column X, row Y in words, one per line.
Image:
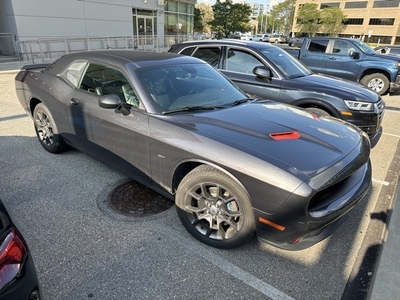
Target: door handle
column 75, row 101
column 332, row 58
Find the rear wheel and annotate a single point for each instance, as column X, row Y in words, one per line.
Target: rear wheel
column 46, row 130
column 377, row 82
column 214, row 208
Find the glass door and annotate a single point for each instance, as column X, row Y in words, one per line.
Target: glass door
column 145, row 29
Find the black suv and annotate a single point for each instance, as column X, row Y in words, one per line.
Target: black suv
column 269, row 72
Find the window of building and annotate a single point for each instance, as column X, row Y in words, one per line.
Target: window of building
column 391, row 3
column 358, row 4
column 178, row 18
column 332, row 4
column 382, row 21
column 354, row 21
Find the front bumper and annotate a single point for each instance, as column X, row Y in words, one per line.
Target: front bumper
column 369, row 122
column 305, row 222
column 395, row 86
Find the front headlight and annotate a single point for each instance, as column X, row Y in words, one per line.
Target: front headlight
column 359, row 105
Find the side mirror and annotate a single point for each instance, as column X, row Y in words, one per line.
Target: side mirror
column 262, row 72
column 354, row 54
column 109, row 101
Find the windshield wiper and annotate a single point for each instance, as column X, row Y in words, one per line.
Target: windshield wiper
column 238, row 102
column 190, row 108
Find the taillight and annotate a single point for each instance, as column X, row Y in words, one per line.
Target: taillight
column 12, row 256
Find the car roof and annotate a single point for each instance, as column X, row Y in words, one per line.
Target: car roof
column 120, row 58
column 381, row 47
column 225, row 42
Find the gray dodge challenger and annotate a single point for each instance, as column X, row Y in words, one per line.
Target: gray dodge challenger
column 234, row 166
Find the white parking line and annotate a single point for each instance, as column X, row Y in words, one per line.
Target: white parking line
column 245, row 277
column 385, row 183
column 389, row 134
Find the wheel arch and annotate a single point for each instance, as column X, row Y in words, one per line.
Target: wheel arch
column 315, row 103
column 33, row 102
column 187, row 166
column 374, row 71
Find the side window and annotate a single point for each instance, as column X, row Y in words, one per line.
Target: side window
column 209, row 55
column 105, row 80
column 74, row 72
column 241, row 61
column 318, row 46
column 342, row 48
column 187, row 51
column 395, row 51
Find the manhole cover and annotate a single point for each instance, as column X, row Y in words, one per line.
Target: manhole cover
column 134, row 199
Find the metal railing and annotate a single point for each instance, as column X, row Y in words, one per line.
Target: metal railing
column 51, row 48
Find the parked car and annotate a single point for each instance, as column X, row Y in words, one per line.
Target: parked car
column 277, row 39
column 233, row 165
column 18, row 278
column 350, row 59
column 271, row 73
column 392, row 50
column 260, row 38
column 246, row 37
column 295, row 41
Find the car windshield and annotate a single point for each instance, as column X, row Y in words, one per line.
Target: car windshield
column 188, row 87
column 364, row 47
column 287, row 64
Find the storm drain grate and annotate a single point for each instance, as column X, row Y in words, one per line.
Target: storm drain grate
column 136, row 200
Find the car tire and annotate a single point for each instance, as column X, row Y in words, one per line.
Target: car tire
column 46, row 130
column 377, row 82
column 317, row 111
column 291, row 44
column 214, row 208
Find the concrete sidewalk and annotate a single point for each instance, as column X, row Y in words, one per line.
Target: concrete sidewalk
column 386, row 278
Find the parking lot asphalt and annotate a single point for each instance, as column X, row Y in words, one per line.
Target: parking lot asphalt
column 83, row 249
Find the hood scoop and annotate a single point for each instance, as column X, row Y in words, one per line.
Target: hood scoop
column 288, row 135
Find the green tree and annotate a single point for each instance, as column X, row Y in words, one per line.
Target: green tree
column 332, row 19
column 308, row 19
column 197, row 20
column 229, row 18
column 283, row 15
column 205, row 15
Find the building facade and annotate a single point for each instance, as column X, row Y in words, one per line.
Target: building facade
column 149, row 23
column 375, row 21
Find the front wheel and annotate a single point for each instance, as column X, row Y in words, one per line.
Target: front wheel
column 317, row 111
column 46, row 130
column 377, row 82
column 214, row 208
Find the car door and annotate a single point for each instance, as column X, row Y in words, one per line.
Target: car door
column 237, row 65
column 314, row 55
column 118, row 139
column 339, row 62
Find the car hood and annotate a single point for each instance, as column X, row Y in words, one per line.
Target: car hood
column 342, row 88
column 279, row 134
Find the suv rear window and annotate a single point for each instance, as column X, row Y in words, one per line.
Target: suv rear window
column 209, row 55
